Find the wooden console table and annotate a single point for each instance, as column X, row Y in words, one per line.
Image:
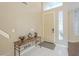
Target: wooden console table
column 28, row 41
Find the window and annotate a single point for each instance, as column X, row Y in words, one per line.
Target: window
column 50, row 5
column 60, row 17
column 76, row 22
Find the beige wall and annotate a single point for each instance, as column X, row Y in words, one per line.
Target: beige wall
column 21, row 18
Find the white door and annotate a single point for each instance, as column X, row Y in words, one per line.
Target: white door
column 48, row 26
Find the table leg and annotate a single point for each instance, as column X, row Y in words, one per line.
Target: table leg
column 19, row 51
column 40, row 41
column 14, row 50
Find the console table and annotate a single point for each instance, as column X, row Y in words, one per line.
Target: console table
column 26, row 42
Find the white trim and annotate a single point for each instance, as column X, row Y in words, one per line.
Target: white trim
column 61, row 45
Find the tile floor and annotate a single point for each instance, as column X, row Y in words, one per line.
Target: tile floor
column 37, row 51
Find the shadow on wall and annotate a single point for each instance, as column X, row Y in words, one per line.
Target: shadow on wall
column 4, row 34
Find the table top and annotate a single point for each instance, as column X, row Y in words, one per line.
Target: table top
column 25, row 41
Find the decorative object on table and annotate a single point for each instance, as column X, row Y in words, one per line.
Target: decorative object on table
column 22, row 38
column 35, row 34
column 29, row 35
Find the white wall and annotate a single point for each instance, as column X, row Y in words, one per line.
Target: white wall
column 69, row 7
